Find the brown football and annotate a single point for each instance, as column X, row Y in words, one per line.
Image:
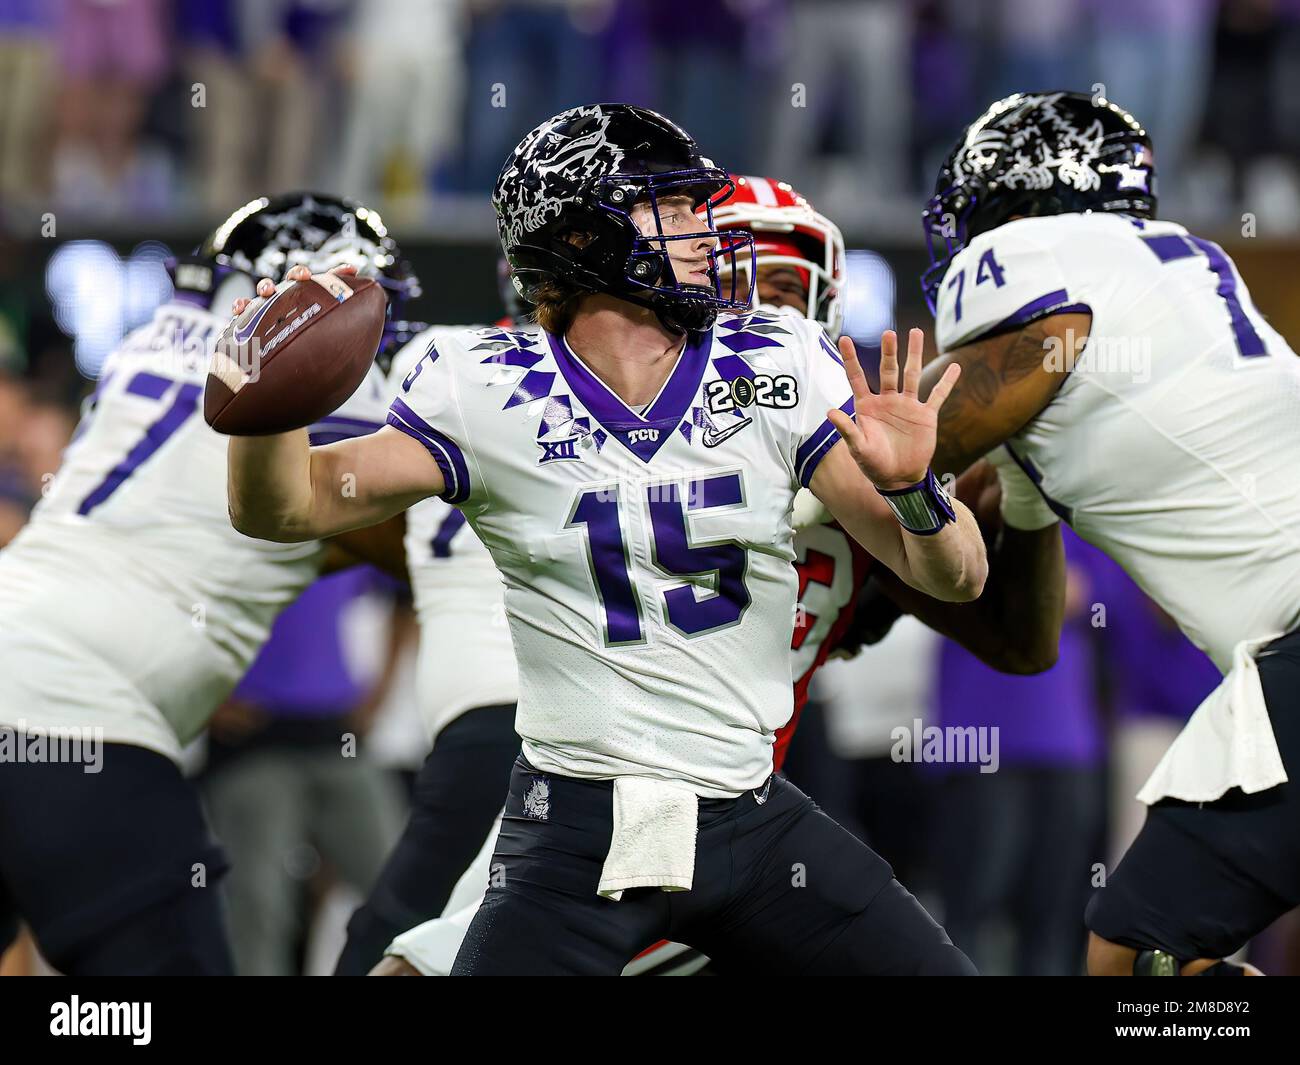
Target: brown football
column 293, row 358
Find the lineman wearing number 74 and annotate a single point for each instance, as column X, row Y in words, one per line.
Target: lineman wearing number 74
column 1122, row 364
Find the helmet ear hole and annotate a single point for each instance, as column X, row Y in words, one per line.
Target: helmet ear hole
column 647, row 269
column 577, row 237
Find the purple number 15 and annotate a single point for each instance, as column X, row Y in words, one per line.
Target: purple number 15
column 717, row 567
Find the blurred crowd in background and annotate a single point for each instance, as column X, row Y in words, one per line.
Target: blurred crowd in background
column 138, row 121
column 143, row 109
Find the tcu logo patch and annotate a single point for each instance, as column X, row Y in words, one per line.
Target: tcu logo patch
column 537, row 800
column 635, row 436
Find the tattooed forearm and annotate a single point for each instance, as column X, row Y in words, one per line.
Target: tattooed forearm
column 1006, row 381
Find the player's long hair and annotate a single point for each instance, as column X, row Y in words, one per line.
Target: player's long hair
column 556, row 305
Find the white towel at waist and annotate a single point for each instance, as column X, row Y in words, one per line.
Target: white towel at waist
column 1227, row 743
column 655, row 823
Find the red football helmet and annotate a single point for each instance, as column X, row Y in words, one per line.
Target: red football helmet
column 788, row 232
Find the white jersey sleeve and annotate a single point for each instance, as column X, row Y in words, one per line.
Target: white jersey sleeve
column 1001, row 281
column 826, row 388
column 426, row 408
column 466, row 658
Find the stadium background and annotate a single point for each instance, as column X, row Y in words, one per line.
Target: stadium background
column 128, row 128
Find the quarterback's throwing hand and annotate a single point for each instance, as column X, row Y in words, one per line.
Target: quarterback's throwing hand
column 266, row 287
column 891, row 436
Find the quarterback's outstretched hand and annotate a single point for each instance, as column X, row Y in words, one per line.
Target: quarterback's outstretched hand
column 891, row 436
column 266, row 287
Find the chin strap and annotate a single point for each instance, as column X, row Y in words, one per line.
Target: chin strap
column 683, row 316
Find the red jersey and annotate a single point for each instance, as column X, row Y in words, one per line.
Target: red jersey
column 831, row 567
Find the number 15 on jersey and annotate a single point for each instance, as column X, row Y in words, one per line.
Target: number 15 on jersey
column 712, row 594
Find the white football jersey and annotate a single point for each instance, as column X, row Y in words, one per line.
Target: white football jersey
column 831, row 567
column 1174, row 444
column 129, row 603
column 646, row 557
column 466, row 658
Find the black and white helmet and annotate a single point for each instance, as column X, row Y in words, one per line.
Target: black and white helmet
column 1039, row 153
column 581, row 172
column 267, row 236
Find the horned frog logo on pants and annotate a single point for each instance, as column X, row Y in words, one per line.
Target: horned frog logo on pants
column 537, row 802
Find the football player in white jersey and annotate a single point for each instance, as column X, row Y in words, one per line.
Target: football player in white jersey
column 1120, row 361
column 632, row 471
column 1014, row 624
column 129, row 608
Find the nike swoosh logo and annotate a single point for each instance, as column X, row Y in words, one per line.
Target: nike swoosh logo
column 247, row 331
column 713, row 439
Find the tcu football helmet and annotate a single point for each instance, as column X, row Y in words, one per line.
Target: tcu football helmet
column 1037, row 154
column 580, row 173
column 789, row 232
column 267, row 236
